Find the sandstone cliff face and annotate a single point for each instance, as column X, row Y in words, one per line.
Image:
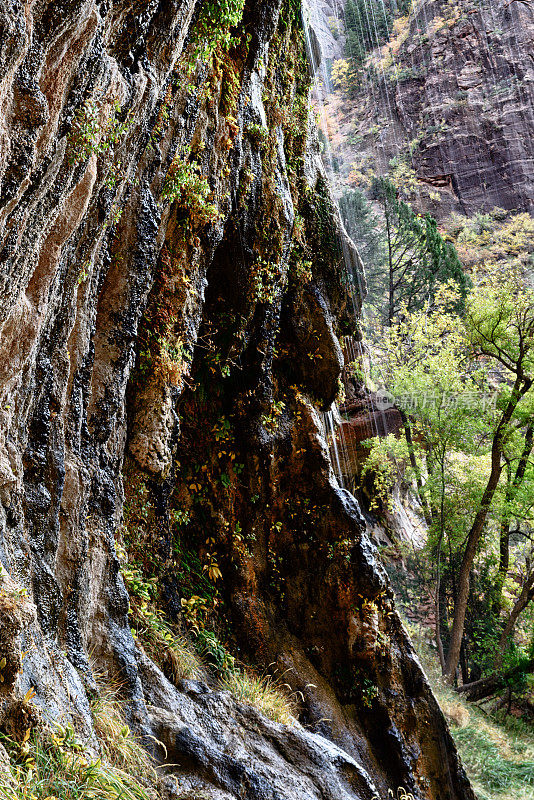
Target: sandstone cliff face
column 453, row 92
column 160, row 333
column 473, row 79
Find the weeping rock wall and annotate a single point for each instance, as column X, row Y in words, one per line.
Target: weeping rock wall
column 172, row 340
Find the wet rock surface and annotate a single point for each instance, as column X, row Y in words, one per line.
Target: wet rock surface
column 239, row 751
column 113, row 280
column 365, row 414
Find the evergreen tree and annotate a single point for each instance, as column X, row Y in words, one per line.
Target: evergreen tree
column 416, row 258
column 363, row 226
column 355, row 48
column 444, row 264
column 368, row 24
column 401, row 7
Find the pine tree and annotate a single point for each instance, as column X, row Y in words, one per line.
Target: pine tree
column 368, row 24
column 416, row 258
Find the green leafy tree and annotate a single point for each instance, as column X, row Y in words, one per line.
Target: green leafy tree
column 517, row 501
column 421, row 360
column 470, row 459
column 500, row 326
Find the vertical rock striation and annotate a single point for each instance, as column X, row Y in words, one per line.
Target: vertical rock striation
column 172, row 263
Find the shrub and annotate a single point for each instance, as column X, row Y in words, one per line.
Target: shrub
column 214, row 26
column 172, row 653
column 214, row 652
column 264, row 693
column 53, row 763
column 89, row 135
column 189, row 189
column 258, row 133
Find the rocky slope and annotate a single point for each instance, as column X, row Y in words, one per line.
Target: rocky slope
column 172, row 292
column 452, row 94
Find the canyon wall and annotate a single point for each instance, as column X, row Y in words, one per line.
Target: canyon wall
column 451, row 94
column 174, row 281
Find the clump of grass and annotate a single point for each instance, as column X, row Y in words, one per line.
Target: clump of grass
column 270, row 696
column 119, row 747
column 52, row 765
column 264, row 693
column 173, row 653
column 495, row 763
column 498, row 753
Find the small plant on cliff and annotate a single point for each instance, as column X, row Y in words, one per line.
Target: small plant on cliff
column 271, row 420
column 266, row 281
column 54, row 763
column 265, row 693
column 303, row 271
column 400, row 794
column 258, row 133
column 90, row 135
column 185, row 186
column 213, row 29
column 368, row 691
column 382, row 465
column 172, row 360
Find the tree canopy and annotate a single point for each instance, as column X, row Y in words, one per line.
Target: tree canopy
column 463, row 382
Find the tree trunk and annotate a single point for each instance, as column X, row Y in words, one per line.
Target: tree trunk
column 526, row 595
column 512, row 487
column 521, row 387
column 462, row 594
column 391, row 289
column 486, row 687
column 417, row 472
column 504, row 544
column 439, row 642
column 463, row 662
